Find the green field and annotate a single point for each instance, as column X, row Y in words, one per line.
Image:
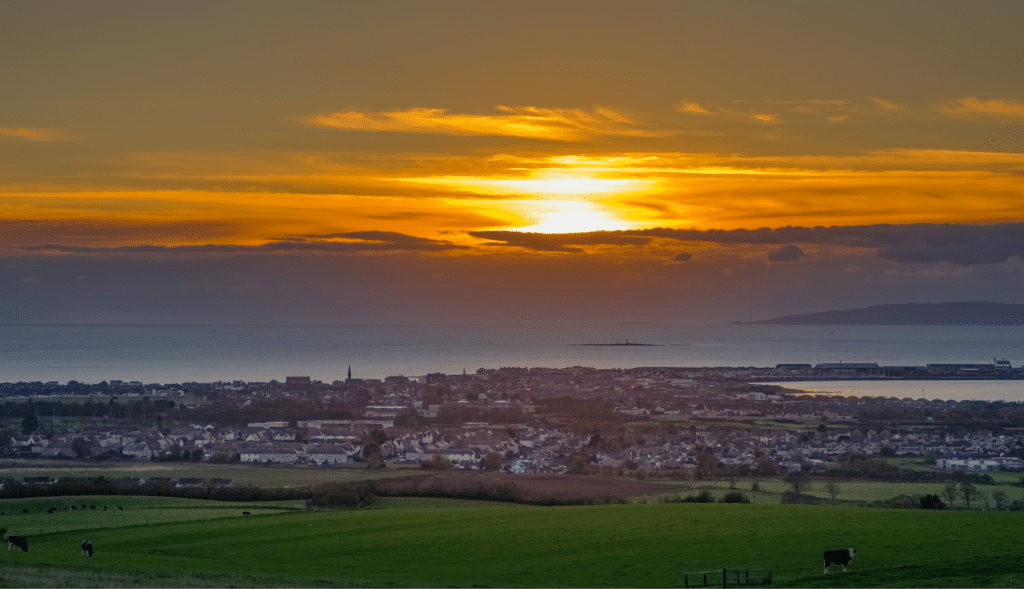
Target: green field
column 261, row 475
column 441, row 543
column 854, row 491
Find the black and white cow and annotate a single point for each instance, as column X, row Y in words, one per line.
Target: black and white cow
column 87, row 549
column 19, row 541
column 841, row 557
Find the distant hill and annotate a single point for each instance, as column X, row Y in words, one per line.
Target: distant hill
column 976, row 313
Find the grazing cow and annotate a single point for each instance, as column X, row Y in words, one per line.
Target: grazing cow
column 246, row 513
column 840, row 557
column 87, row 549
column 19, row 541
column 119, row 508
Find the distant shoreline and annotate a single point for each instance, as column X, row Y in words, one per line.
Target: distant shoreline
column 978, row 313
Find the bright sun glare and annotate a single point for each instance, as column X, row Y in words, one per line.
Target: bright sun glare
column 556, row 201
column 569, row 216
column 552, row 212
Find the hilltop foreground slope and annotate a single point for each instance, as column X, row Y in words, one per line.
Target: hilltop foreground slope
column 441, row 543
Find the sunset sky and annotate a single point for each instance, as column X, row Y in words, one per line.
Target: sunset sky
column 475, row 162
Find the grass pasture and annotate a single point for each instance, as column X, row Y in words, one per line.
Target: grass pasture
column 261, row 475
column 445, row 543
column 852, row 491
column 120, row 512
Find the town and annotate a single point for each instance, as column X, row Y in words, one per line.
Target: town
column 539, row 420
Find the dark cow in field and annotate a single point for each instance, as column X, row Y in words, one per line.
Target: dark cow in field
column 840, row 557
column 19, row 541
column 87, row 549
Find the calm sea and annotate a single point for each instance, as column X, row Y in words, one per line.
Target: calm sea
column 205, row 353
column 980, row 390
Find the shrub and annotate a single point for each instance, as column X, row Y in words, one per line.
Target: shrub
column 482, row 488
column 437, row 462
column 932, row 502
column 702, row 497
column 341, row 495
column 735, row 497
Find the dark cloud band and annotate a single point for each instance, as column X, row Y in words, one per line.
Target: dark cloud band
column 962, row 244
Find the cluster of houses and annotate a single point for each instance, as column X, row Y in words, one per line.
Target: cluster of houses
column 401, row 417
column 521, row 447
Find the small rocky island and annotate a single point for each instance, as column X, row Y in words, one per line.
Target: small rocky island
column 625, row 343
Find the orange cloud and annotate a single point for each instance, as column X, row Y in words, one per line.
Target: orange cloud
column 971, row 108
column 248, row 197
column 692, row 107
column 34, row 134
column 885, row 104
column 530, row 122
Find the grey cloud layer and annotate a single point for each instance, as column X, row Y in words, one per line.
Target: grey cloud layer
column 966, row 245
column 370, row 241
column 786, row 253
column 559, row 242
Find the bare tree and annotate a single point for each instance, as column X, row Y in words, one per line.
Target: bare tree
column 492, row 461
column 798, row 481
column 833, row 489
column 999, row 496
column 984, row 498
column 950, row 492
column 968, row 491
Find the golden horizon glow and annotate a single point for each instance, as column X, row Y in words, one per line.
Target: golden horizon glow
column 549, row 211
column 296, row 194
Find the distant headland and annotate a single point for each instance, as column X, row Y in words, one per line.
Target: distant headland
column 972, row 313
